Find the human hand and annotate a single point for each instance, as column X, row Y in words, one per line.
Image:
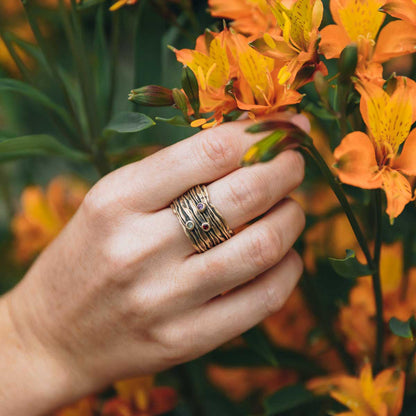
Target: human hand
column 121, row 291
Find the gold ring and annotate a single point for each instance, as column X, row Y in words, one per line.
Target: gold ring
column 201, row 221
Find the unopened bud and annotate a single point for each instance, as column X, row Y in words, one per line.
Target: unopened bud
column 181, row 102
column 191, row 88
column 321, row 84
column 348, row 63
column 152, row 96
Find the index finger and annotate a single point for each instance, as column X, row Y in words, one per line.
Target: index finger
column 210, row 154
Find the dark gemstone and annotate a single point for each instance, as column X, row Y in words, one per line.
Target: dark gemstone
column 206, row 226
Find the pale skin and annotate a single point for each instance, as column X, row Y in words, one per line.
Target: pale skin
column 121, row 292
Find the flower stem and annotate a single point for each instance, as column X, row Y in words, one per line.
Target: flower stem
column 373, row 263
column 378, row 296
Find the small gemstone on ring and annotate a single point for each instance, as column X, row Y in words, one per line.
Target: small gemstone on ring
column 190, row 225
column 201, row 206
column 206, row 226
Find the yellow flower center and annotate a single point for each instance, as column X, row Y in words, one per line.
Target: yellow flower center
column 362, row 19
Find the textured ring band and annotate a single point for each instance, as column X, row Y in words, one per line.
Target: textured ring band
column 201, row 221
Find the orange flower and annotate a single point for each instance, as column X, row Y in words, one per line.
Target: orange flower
column 214, row 67
column 402, row 9
column 84, row 407
column 121, row 3
column 231, row 75
column 359, row 22
column 139, row 397
column 296, row 47
column 251, row 17
column 374, row 160
column 365, row 395
column 44, row 214
column 239, row 382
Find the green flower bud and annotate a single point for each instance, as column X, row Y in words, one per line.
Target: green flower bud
column 152, row 96
column 348, row 63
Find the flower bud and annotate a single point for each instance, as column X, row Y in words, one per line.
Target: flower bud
column 321, row 84
column 191, row 88
column 152, row 96
column 348, row 63
column 181, row 102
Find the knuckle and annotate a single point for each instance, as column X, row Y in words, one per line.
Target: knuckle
column 217, row 150
column 246, row 194
column 265, row 247
column 298, row 214
column 295, row 165
column 96, row 204
column 273, row 299
column 170, row 340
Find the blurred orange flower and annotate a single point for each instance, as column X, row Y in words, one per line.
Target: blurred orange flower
column 359, row 22
column 251, row 17
column 296, row 47
column 44, row 214
column 240, row 382
column 84, row 407
column 374, row 160
column 139, row 397
column 365, row 395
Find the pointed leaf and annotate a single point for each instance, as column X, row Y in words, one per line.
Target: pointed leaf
column 190, row 87
column 288, row 398
column 257, row 340
column 128, row 122
column 37, row 145
column 401, row 328
column 349, row 266
column 174, row 121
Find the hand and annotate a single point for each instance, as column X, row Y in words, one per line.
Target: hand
column 121, row 291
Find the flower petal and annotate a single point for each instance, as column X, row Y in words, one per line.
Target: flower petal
column 396, row 39
column 333, row 40
column 402, row 9
column 356, row 161
column 398, row 192
column 406, row 162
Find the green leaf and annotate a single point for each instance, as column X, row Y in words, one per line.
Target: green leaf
column 174, row 121
column 37, row 145
column 257, row 340
column 400, row 328
column 288, row 398
column 128, row 122
column 349, row 266
column 19, row 87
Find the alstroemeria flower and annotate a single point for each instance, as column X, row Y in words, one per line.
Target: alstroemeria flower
column 359, row 22
column 214, row 67
column 250, row 17
column 374, row 160
column 365, row 395
column 297, row 45
column 120, row 3
column 257, row 88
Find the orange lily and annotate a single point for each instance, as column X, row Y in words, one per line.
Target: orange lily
column 296, row 47
column 359, row 22
column 214, row 67
column 374, row 160
column 44, row 214
column 139, row 397
column 365, row 395
column 257, row 88
column 231, row 75
column 250, row 17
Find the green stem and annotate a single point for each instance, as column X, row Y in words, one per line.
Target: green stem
column 115, row 47
column 374, row 264
column 339, row 193
column 409, row 363
column 6, row 192
column 139, row 16
column 378, row 295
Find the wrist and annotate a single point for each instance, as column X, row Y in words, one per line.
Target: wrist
column 33, row 380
